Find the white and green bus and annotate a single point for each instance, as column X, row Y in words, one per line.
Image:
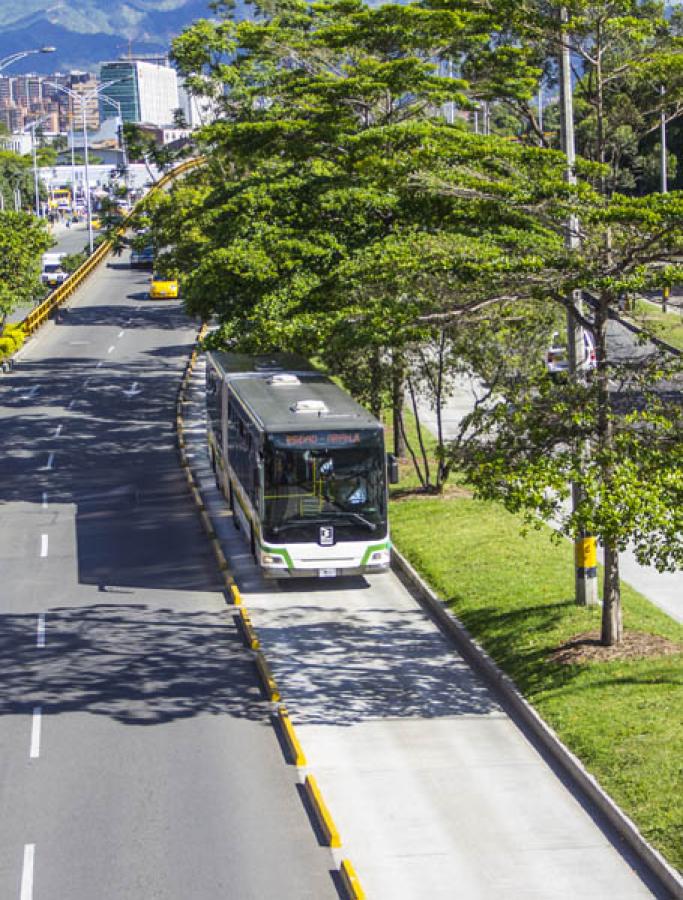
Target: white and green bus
column 301, row 464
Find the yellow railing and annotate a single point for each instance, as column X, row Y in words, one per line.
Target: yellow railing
column 41, row 313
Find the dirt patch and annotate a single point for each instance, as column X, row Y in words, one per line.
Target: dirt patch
column 450, row 492
column 586, row 648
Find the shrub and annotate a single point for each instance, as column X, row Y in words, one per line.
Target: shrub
column 7, row 347
column 15, row 334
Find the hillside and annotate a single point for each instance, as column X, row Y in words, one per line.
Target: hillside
column 86, row 32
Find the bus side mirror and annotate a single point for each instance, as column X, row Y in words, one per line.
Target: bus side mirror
column 392, row 468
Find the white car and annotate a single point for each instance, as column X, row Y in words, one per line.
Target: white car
column 557, row 357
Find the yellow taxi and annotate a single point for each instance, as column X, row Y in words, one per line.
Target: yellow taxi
column 163, row 288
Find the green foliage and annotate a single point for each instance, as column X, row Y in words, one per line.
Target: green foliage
column 23, row 240
column 340, row 216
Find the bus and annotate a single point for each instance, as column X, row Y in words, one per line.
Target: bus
column 301, row 465
column 61, row 199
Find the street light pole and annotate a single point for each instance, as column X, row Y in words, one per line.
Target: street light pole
column 22, row 54
column 585, row 556
column 664, row 162
column 83, row 98
column 88, row 202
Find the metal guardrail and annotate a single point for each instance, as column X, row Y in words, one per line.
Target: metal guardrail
column 42, row 312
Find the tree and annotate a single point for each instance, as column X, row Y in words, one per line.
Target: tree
column 23, row 240
column 340, row 216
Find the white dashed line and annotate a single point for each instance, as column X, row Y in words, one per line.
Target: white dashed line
column 27, row 872
column 71, row 404
column 44, row 499
column 100, row 363
column 40, row 633
column 50, row 461
column 121, row 333
column 35, row 732
column 111, row 349
column 58, row 430
column 43, row 545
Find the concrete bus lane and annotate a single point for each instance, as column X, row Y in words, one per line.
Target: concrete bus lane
column 435, row 791
column 137, row 755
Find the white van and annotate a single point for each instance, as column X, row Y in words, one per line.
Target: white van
column 53, row 274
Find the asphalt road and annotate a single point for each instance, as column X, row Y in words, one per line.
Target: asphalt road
column 137, row 756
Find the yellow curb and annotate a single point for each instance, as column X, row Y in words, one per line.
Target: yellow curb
column 350, row 881
column 248, row 628
column 322, row 813
column 206, row 522
column 267, row 677
column 291, row 739
column 197, row 497
column 220, row 556
column 190, row 477
column 235, row 591
column 229, row 581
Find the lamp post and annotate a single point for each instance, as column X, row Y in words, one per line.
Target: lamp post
column 34, row 153
column 82, row 99
column 22, row 54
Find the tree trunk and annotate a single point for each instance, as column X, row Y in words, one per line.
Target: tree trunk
column 612, row 627
column 612, row 624
column 397, row 391
column 376, row 385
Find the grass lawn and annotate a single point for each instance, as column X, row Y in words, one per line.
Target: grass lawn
column 668, row 326
column 623, row 719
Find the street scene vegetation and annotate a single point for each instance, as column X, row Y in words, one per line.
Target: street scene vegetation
column 383, row 192
column 348, row 211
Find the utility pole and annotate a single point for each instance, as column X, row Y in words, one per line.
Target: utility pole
column 665, row 178
column 585, row 546
column 664, row 172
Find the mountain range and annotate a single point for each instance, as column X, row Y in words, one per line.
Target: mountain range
column 86, row 32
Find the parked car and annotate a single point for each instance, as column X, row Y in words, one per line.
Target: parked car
column 142, row 259
column 163, row 288
column 557, row 356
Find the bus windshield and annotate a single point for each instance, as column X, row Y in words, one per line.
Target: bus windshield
column 324, row 487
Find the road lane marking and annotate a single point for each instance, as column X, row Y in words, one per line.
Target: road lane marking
column 40, row 634
column 111, row 349
column 35, row 732
column 71, row 403
column 133, row 391
column 58, row 430
column 27, row 872
column 100, row 363
column 43, row 545
column 50, row 461
column 121, row 333
column 31, row 394
column 44, row 499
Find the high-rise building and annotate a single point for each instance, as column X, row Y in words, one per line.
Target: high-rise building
column 146, row 92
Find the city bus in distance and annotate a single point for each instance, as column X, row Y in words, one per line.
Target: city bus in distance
column 61, row 199
column 301, row 464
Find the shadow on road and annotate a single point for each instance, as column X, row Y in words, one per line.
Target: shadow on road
column 139, row 665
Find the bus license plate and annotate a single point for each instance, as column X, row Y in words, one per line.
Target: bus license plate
column 327, row 573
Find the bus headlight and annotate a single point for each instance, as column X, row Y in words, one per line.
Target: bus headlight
column 269, row 559
column 380, row 558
